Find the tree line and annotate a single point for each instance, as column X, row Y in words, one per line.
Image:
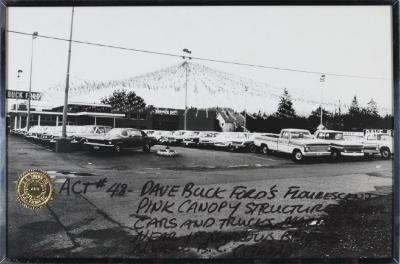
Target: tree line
column 356, row 118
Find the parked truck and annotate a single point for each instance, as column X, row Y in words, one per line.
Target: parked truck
column 339, row 146
column 299, row 143
column 379, row 143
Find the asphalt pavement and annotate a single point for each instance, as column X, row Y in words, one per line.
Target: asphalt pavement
column 101, row 221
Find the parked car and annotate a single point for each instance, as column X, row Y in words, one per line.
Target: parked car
column 149, row 132
column 158, row 134
column 379, row 143
column 19, row 131
column 339, row 146
column 48, row 135
column 164, row 135
column 299, row 143
column 206, row 139
column 78, row 134
column 118, row 139
column 57, row 133
column 253, row 147
column 177, row 137
column 35, row 133
column 191, row 138
column 241, row 141
column 224, row 139
column 31, row 133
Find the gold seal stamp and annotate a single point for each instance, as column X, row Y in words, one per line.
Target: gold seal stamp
column 35, row 189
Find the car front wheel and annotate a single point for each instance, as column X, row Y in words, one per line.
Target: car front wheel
column 297, row 156
column 146, row 148
column 385, row 153
column 264, row 149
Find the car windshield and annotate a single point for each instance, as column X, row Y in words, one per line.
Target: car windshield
column 179, row 133
column 194, row 134
column 300, row 134
column 116, row 131
column 334, row 136
column 86, row 129
column 240, row 136
column 205, row 134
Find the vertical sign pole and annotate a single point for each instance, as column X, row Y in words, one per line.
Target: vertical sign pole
column 65, row 108
column 186, row 84
column 186, row 64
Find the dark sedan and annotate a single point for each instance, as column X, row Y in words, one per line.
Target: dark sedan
column 118, row 139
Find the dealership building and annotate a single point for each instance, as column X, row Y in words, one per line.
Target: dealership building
column 102, row 114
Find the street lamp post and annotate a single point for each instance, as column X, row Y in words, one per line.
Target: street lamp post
column 28, row 118
column 18, row 86
column 19, row 72
column 186, row 58
column 322, row 81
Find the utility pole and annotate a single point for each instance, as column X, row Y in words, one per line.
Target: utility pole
column 186, row 58
column 65, row 108
column 28, row 118
column 322, row 81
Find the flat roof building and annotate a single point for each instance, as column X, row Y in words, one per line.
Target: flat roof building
column 102, row 114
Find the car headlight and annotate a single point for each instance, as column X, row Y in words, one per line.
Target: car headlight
column 329, row 148
column 109, row 142
column 306, row 148
column 86, row 140
column 362, row 150
column 377, row 148
column 345, row 150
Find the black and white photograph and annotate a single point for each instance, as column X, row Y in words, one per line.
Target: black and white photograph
column 200, row 132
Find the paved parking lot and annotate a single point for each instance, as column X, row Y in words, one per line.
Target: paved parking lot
column 95, row 223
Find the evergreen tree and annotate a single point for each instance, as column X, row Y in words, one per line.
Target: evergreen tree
column 354, row 107
column 372, row 108
column 285, row 106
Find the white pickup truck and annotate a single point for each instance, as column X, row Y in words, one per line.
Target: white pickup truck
column 379, row 143
column 297, row 142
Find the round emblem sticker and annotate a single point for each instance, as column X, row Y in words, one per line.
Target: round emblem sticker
column 35, row 189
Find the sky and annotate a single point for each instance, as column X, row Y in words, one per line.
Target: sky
column 352, row 40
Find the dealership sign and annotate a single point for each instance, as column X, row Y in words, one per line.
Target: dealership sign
column 378, row 131
column 158, row 111
column 12, row 94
